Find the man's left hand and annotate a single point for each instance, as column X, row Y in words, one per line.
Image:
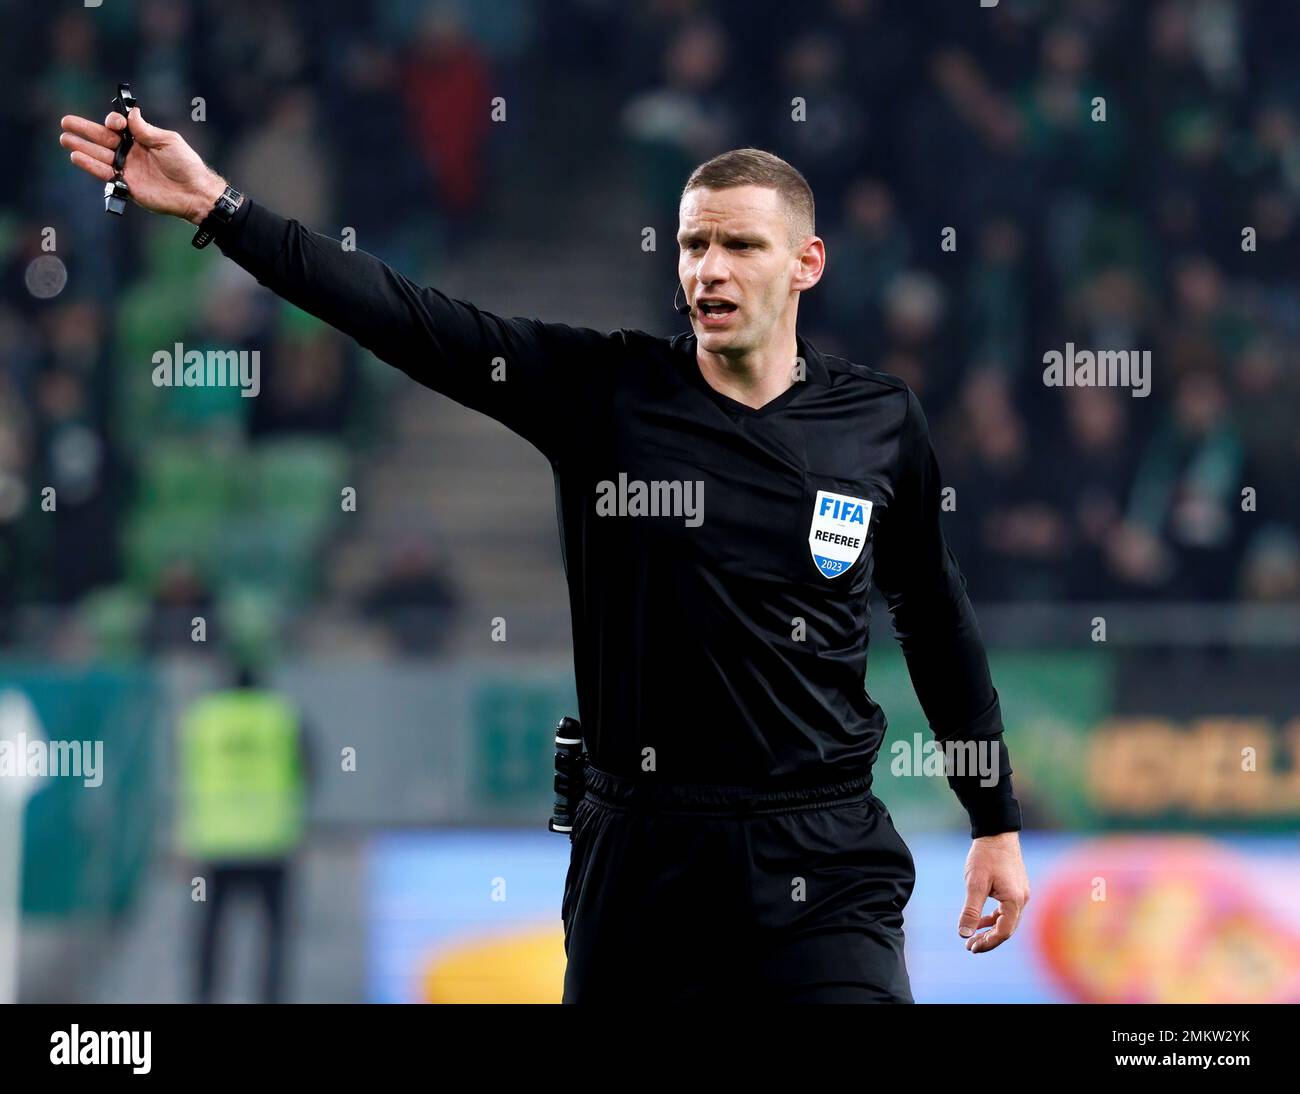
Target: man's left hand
column 994, row 869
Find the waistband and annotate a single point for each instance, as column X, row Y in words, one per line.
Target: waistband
column 650, row 794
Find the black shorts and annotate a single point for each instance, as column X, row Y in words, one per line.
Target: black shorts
column 703, row 893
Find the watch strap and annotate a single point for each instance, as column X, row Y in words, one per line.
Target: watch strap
column 222, row 213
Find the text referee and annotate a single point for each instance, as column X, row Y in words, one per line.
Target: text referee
column 726, row 499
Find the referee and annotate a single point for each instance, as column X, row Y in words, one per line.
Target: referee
column 726, row 499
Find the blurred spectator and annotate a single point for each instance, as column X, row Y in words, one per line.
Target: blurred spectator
column 1271, row 570
column 245, row 768
column 73, row 460
column 165, row 62
column 180, row 596
column 960, row 111
column 915, row 308
column 1094, row 456
column 364, row 99
column 446, row 84
column 829, row 140
column 307, row 390
column 256, row 50
column 1267, row 396
column 688, row 118
column 231, row 316
column 870, row 248
column 995, row 324
column 1070, row 147
column 1016, row 542
column 1182, row 531
column 413, row 601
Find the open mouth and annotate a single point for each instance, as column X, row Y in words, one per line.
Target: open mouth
column 715, row 310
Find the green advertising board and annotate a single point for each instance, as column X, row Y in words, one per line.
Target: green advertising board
column 87, row 744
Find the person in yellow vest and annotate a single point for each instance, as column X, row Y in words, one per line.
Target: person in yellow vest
column 244, row 774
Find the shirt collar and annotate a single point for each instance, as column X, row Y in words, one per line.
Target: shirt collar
column 814, row 362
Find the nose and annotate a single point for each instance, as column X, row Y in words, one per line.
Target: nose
column 712, row 267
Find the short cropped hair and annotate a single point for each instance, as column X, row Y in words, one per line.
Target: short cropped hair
column 754, row 167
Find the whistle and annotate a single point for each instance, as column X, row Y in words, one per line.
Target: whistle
column 117, row 192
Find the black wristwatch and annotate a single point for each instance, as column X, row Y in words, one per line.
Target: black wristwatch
column 221, row 215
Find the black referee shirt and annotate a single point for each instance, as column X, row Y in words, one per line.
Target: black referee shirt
column 719, row 558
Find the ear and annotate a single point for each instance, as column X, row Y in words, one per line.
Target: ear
column 812, row 263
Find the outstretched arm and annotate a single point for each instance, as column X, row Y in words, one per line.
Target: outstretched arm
column 539, row 379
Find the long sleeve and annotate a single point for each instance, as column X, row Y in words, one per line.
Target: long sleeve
column 538, row 379
column 936, row 627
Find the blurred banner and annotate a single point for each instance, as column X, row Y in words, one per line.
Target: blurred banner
column 88, row 834
column 1104, row 741
column 1180, row 739
column 473, row 917
column 1101, row 740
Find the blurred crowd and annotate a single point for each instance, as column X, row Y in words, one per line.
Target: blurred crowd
column 1097, row 164
column 159, row 506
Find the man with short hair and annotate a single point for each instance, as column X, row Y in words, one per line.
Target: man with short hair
column 728, row 846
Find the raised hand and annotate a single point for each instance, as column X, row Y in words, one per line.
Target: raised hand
column 163, row 173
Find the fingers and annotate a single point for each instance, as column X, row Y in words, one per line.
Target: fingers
column 91, row 144
column 149, row 136
column 996, row 872
column 977, row 892
column 101, row 171
column 91, row 131
column 88, row 148
column 1003, row 927
column 986, row 940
